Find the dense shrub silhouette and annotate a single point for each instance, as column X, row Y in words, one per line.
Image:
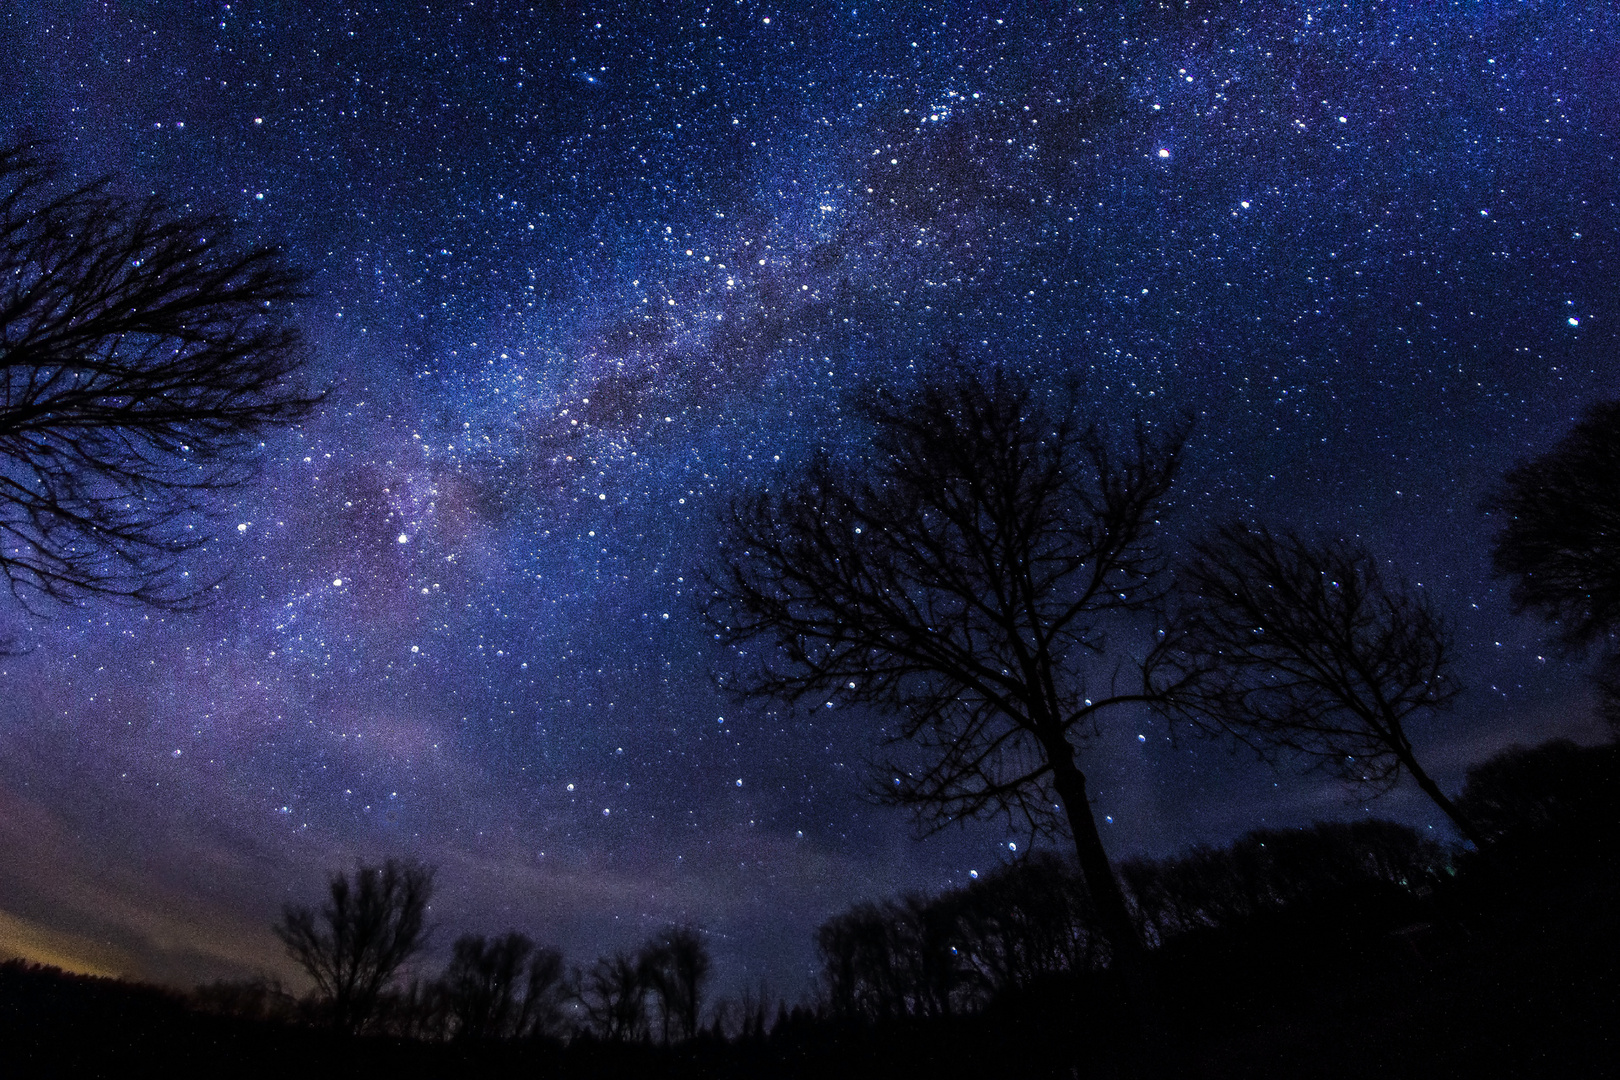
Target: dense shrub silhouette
column 1271, row 869
column 260, row 998
column 676, row 967
column 501, row 988
column 613, row 993
column 1558, row 787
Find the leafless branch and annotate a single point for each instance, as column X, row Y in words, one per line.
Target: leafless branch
column 142, row 353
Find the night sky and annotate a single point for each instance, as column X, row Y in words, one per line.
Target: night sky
column 581, row 273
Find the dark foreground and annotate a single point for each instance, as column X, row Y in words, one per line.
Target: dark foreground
column 1508, row 969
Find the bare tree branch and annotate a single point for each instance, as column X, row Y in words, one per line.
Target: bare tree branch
column 142, row 353
column 1298, row 645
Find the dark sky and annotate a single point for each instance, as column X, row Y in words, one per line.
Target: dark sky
column 582, row 272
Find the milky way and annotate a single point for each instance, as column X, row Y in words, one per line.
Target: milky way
column 578, row 278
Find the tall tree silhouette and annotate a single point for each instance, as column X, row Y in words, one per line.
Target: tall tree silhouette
column 962, row 575
column 367, row 929
column 144, row 352
column 1301, row 645
column 613, row 994
column 1559, row 540
column 676, row 967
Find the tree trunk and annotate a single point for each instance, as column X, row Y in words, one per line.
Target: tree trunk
column 1130, row 955
column 1432, row 790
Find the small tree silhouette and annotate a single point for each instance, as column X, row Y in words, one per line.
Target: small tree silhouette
column 144, row 351
column 368, row 928
column 1303, row 646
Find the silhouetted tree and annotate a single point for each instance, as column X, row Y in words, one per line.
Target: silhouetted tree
column 367, row 929
column 145, row 351
column 1302, row 645
column 867, row 962
column 544, row 994
column 961, row 575
column 676, row 966
column 484, row 987
column 1026, row 922
column 1560, row 538
column 613, row 994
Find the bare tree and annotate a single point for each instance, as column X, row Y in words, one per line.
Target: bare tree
column 1303, row 646
column 1559, row 539
column 368, row 928
column 613, row 994
column 544, row 995
column 963, row 576
column 676, row 967
column 484, row 985
column 144, row 352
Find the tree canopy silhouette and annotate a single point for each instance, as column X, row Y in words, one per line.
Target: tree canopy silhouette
column 367, row 929
column 501, row 988
column 963, row 575
column 144, row 352
column 1560, row 538
column 1529, row 794
column 1303, row 645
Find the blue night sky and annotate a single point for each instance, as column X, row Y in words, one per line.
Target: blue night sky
column 583, row 272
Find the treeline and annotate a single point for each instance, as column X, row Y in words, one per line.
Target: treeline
column 1033, row 920
column 1363, row 935
column 1019, row 928
column 951, row 954
column 493, row 989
